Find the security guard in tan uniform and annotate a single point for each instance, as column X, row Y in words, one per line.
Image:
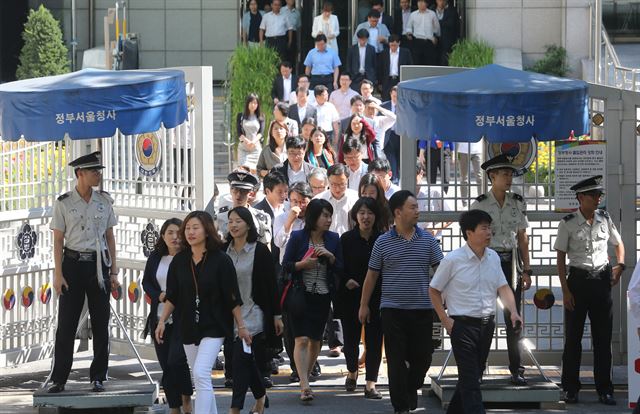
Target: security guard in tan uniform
column 583, row 237
column 85, row 264
column 509, row 229
column 243, row 183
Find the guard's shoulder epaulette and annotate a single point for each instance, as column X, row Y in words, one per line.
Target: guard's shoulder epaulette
column 63, row 196
column 517, row 197
column 223, row 209
column 260, row 215
column 106, row 195
column 568, row 217
column 481, row 197
column 603, row 213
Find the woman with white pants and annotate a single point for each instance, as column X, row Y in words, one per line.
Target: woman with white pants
column 202, row 286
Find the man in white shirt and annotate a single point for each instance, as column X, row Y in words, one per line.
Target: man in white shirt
column 423, row 30
column 341, row 98
column 283, row 84
column 340, row 196
column 381, row 123
column 382, row 169
column 327, row 114
column 302, row 110
column 352, row 155
column 366, row 91
column 318, row 180
column 276, row 29
column 469, row 279
column 291, row 219
column 295, row 22
column 303, row 81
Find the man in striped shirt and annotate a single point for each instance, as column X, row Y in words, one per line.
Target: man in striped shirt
column 402, row 257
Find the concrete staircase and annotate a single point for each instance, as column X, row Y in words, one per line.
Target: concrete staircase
column 220, row 149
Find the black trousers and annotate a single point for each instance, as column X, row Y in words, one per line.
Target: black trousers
column 331, row 331
column 409, row 348
column 289, row 339
column 176, row 378
column 81, row 278
column 592, row 297
column 326, row 80
column 263, row 360
column 292, row 52
column 424, row 52
column 436, row 162
column 279, row 43
column 514, row 346
column 470, row 343
column 387, row 84
column 247, row 373
column 392, row 152
column 351, row 328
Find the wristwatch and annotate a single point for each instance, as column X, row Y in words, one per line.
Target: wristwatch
column 528, row 272
column 622, row 265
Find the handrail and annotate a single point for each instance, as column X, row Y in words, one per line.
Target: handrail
column 613, row 73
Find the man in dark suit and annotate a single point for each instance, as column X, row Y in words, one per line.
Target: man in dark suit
column 400, row 21
column 391, row 145
column 283, row 84
column 295, row 168
column 390, row 62
column 385, row 19
column 361, row 60
column 302, row 110
column 275, row 191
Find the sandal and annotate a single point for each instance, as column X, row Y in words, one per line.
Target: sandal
column 306, row 395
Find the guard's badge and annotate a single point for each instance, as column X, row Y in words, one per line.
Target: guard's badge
column 26, row 241
column 149, row 237
column 148, row 153
column 100, row 207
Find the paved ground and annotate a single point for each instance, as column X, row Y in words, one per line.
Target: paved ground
column 18, row 384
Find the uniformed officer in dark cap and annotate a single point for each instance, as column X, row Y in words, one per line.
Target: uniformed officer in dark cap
column 509, row 230
column 85, row 264
column 242, row 184
column 583, row 237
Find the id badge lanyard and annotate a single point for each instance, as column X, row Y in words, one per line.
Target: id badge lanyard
column 195, row 284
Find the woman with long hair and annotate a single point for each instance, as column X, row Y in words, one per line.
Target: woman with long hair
column 370, row 186
column 203, row 287
column 319, row 151
column 176, row 379
column 260, row 308
column 313, row 259
column 308, row 126
column 274, row 153
column 359, row 128
column 357, row 245
column 250, row 127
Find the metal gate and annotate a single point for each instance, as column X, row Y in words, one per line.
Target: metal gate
column 34, row 174
column 614, row 118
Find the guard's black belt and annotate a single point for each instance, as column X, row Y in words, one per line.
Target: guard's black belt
column 505, row 255
column 473, row 321
column 80, row 256
column 603, row 272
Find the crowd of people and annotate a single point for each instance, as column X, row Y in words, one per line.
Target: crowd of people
column 277, row 274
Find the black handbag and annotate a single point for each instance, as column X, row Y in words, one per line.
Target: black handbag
column 295, row 302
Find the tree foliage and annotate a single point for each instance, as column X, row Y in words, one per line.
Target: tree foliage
column 44, row 53
column 252, row 70
column 471, row 54
column 553, row 63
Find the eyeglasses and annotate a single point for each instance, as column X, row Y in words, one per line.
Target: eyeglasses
column 318, row 187
column 337, row 185
column 295, row 154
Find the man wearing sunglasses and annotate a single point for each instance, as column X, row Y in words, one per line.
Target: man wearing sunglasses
column 583, row 238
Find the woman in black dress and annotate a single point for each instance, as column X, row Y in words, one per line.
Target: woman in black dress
column 357, row 245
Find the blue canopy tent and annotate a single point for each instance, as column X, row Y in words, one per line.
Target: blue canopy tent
column 498, row 103
column 92, row 103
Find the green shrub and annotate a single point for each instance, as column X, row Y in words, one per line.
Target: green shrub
column 471, row 54
column 252, row 70
column 553, row 63
column 44, row 53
